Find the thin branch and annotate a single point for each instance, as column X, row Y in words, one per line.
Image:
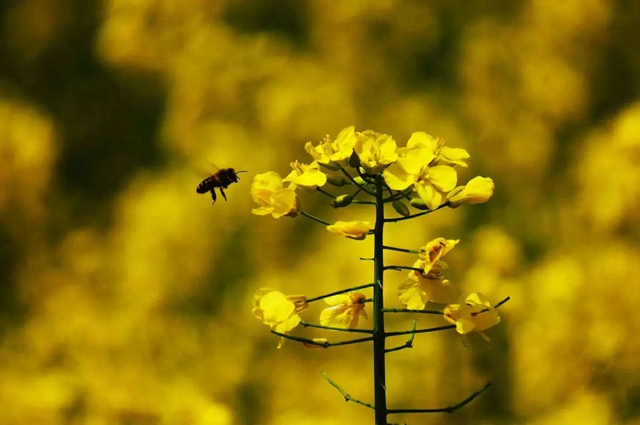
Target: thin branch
column 364, row 188
column 394, row 220
column 314, row 218
column 306, row 324
column 342, row 291
column 449, row 409
column 406, row 310
column 393, row 248
column 409, row 343
column 422, row 331
column 324, row 192
column 502, row 302
column 346, row 396
column 322, row 344
column 398, row 268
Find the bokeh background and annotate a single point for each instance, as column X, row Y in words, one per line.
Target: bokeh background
column 125, row 297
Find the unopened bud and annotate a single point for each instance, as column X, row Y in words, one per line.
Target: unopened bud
column 479, row 190
column 336, row 180
column 359, row 181
column 320, row 343
column 419, row 204
column 299, row 301
column 354, row 160
column 342, row 201
column 401, row 208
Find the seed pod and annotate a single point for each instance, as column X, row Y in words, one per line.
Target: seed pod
column 401, row 208
column 341, row 201
column 419, row 204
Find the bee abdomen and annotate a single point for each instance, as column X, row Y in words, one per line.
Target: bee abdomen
column 204, row 186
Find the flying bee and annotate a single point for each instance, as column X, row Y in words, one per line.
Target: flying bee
column 221, row 179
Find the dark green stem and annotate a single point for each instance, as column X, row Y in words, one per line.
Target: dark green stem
column 342, row 291
column 346, row 173
column 306, row 324
column 379, row 335
column 409, row 343
column 422, row 331
column 324, row 192
column 322, row 344
column 449, row 409
column 393, row 220
column 406, row 310
column 398, row 268
column 408, row 251
column 346, row 396
column 314, row 218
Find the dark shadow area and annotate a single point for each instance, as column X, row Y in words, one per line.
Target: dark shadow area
column 106, row 121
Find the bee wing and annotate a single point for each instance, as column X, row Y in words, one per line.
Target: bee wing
column 203, row 169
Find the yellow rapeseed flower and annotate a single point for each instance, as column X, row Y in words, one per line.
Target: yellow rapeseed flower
column 278, row 311
column 435, row 250
column 306, row 176
column 417, row 165
column 479, row 190
column 475, row 314
column 345, row 310
column 375, row 150
column 334, row 152
column 267, row 190
column 357, row 230
column 420, row 288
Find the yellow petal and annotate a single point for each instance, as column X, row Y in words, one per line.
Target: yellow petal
column 412, row 294
column 443, row 177
column 397, row 178
column 431, row 197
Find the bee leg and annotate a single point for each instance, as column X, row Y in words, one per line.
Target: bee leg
column 223, row 195
column 213, row 195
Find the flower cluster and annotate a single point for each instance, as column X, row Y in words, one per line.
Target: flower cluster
column 422, row 172
column 423, row 175
column 425, row 283
column 280, row 311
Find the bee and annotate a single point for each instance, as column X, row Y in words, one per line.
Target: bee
column 221, row 179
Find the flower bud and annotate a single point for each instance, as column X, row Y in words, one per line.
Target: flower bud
column 401, row 208
column 322, row 341
column 419, row 204
column 300, row 301
column 336, row 180
column 359, row 181
column 478, row 191
column 341, row 201
column 354, row 160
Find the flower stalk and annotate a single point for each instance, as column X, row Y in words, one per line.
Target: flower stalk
column 421, row 175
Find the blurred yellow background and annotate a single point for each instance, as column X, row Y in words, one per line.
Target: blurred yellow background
column 125, row 297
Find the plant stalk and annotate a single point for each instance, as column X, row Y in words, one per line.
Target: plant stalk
column 379, row 335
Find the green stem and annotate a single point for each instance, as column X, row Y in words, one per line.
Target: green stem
column 406, row 310
column 409, row 343
column 408, row 251
column 322, row 344
column 398, row 268
column 342, row 291
column 314, row 218
column 346, row 173
column 379, row 335
column 422, row 331
column 306, row 324
column 346, row 396
column 324, row 192
column 502, row 302
column 394, row 220
column 448, row 409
